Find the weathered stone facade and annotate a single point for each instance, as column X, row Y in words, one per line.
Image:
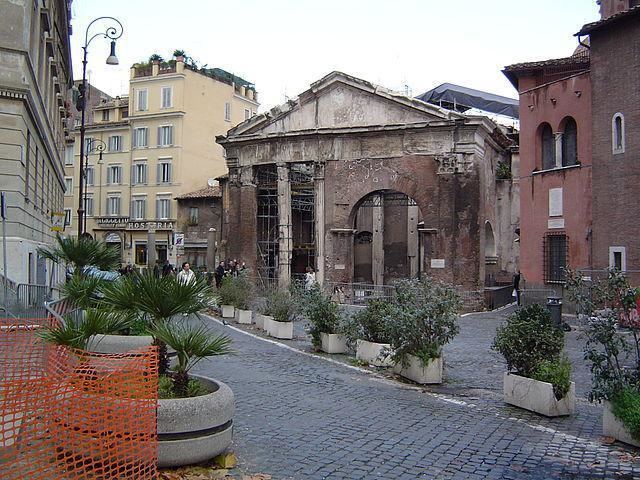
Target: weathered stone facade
column 362, row 143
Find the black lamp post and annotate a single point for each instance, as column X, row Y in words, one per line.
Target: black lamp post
column 113, row 32
column 95, row 146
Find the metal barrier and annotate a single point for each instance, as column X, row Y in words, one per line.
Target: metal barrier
column 63, row 310
column 31, row 299
column 530, row 296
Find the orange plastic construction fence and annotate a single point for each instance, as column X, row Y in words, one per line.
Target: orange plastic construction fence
column 73, row 415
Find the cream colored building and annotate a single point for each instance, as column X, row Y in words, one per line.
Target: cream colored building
column 160, row 143
column 35, row 76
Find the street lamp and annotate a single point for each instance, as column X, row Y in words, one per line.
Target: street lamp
column 95, row 145
column 114, row 32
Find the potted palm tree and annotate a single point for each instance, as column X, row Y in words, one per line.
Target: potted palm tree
column 80, row 253
column 324, row 319
column 195, row 413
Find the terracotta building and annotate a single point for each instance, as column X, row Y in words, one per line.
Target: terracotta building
column 615, row 74
column 367, row 185
column 555, row 166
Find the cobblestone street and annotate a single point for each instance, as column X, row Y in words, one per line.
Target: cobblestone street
column 300, row 416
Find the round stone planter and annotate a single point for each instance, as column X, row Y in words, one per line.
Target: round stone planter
column 537, row 396
column 243, row 316
column 124, row 343
column 415, row 370
column 228, row 311
column 613, row 427
column 371, row 353
column 333, row 343
column 282, row 330
column 192, row 430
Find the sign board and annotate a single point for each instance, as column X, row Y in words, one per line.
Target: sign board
column 555, row 223
column 339, row 266
column 437, row 263
column 178, row 239
column 112, row 238
column 57, row 221
column 555, row 202
column 150, row 226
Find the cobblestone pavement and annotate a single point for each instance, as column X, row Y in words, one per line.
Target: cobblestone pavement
column 300, row 416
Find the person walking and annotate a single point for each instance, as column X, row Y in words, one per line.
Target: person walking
column 309, row 278
column 516, row 287
column 220, row 271
column 186, row 275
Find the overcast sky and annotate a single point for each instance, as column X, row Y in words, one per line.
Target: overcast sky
column 284, row 45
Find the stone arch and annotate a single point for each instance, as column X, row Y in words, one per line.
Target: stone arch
column 386, row 237
column 489, row 241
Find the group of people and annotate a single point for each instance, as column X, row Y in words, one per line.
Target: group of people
column 229, row 268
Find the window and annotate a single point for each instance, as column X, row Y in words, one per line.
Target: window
column 548, row 148
column 113, row 205
column 165, row 136
column 140, row 137
column 618, row 258
column 138, row 208
column 78, row 122
column 617, row 133
column 141, row 253
column 164, row 172
column 193, row 216
column 570, row 143
column 68, row 186
column 105, row 115
column 67, row 217
column 167, row 100
column 114, row 175
column 88, row 144
column 555, row 258
column 141, row 98
column 115, row 143
column 247, row 114
column 88, row 205
column 90, row 176
column 139, row 173
column 227, row 111
column 163, row 208
column 68, row 155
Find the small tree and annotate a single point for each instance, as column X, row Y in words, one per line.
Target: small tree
column 281, row 305
column 321, row 312
column 371, row 323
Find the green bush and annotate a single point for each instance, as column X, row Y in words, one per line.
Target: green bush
column 625, row 405
column 236, row 291
column 557, row 373
column 372, row 322
column 423, row 318
column 529, row 338
column 281, row 305
column 321, row 312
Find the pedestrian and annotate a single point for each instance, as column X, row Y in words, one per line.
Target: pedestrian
column 516, row 287
column 309, row 278
column 186, row 275
column 220, row 271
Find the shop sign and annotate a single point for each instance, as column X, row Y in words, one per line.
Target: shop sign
column 112, row 221
column 150, row 225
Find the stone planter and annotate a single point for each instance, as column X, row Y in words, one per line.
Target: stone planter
column 283, row 330
column 333, row 343
column 228, row 311
column 260, row 321
column 419, row 373
column 266, row 323
column 100, row 343
column 191, row 430
column 244, row 316
column 371, row 353
column 537, row 396
column 613, row 427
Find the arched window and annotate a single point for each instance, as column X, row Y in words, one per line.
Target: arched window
column 570, row 143
column 617, row 133
column 548, row 148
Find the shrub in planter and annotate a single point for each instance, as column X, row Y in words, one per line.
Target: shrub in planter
column 283, row 308
column 423, row 319
column 540, row 380
column 613, row 353
column 322, row 313
column 368, row 330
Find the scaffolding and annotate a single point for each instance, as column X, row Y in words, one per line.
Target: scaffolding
column 302, row 217
column 267, row 222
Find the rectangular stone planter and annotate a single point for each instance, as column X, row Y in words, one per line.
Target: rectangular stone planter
column 244, row 316
column 371, row 353
column 260, row 320
column 537, row 396
column 228, row 311
column 333, row 343
column 419, row 373
column 266, row 323
column 613, row 427
column 282, row 330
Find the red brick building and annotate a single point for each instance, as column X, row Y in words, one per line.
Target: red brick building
column 615, row 85
column 555, row 166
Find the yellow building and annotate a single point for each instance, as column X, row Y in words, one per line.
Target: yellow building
column 159, row 143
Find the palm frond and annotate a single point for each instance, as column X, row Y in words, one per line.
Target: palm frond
column 103, row 321
column 66, row 334
column 83, row 290
column 191, row 343
column 120, row 295
column 81, row 252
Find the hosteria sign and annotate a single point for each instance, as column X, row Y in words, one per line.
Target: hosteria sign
column 124, row 222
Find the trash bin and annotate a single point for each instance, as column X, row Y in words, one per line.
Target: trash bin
column 554, row 305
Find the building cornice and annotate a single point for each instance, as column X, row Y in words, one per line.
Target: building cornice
column 175, row 113
column 157, row 78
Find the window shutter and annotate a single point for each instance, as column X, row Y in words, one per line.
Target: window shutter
column 169, row 173
column 159, row 173
column 117, row 205
column 119, row 175
column 109, row 169
column 170, row 139
column 144, row 208
column 157, row 208
column 159, row 136
column 144, row 173
column 133, row 174
column 168, row 208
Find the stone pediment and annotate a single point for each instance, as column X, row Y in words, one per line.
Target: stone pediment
column 340, row 101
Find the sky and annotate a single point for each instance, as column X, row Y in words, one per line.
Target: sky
column 283, row 46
